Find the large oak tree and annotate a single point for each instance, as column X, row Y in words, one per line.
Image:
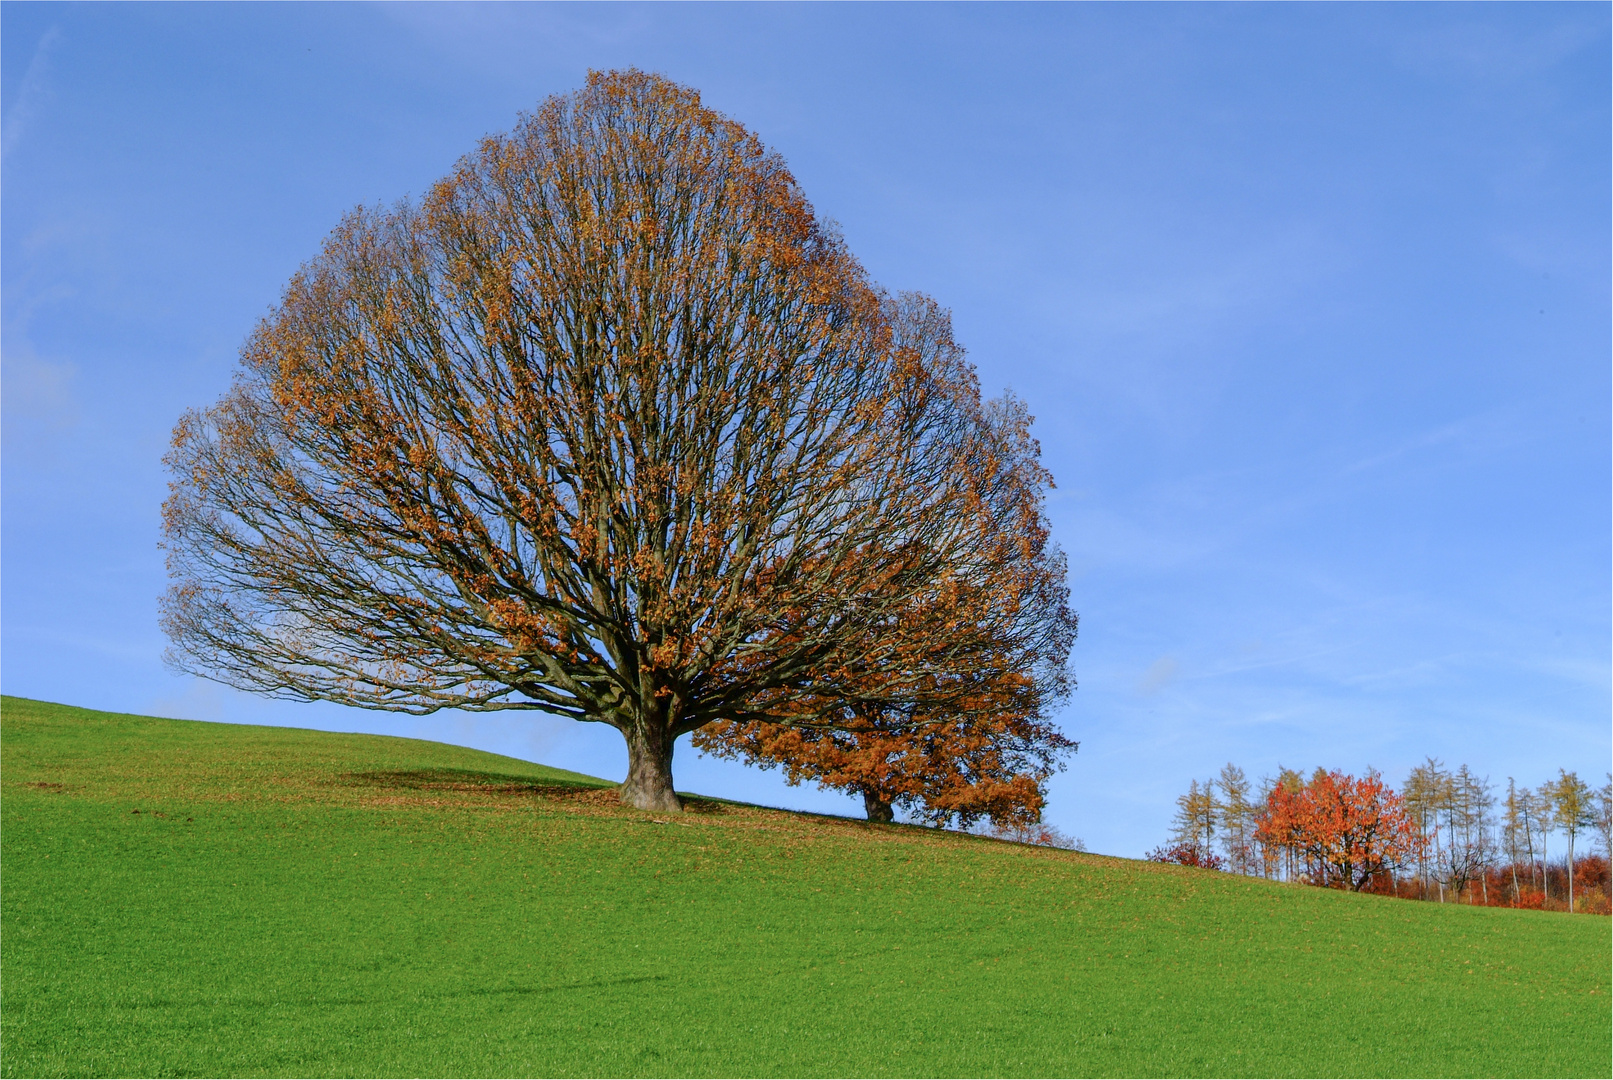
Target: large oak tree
column 607, row 425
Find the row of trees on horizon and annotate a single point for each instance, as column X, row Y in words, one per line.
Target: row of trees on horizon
column 1446, row 835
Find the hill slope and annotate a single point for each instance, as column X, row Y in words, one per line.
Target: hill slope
column 189, row 898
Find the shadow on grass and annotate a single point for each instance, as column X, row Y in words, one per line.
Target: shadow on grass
column 470, row 781
column 693, row 804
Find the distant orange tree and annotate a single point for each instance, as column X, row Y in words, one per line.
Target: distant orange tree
column 1345, row 830
column 610, row 426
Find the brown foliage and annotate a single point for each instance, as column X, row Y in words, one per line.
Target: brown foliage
column 1520, row 885
column 975, row 763
column 1184, row 854
column 609, row 426
column 989, row 753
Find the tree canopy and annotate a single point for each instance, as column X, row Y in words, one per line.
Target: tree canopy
column 609, row 425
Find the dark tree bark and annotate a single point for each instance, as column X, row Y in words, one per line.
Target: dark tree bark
column 878, row 809
column 649, row 769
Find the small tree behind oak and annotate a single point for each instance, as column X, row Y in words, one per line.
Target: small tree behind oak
column 989, row 753
column 609, row 426
column 989, row 757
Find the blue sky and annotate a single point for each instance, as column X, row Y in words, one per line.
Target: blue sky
column 1311, row 303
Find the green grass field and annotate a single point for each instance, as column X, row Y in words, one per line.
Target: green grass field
column 289, row 902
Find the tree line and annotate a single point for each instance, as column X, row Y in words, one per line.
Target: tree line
column 1446, row 835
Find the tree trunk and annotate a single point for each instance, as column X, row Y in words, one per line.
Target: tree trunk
column 878, row 809
column 1570, row 873
column 649, row 770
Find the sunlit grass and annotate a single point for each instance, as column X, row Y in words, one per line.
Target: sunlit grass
column 295, row 902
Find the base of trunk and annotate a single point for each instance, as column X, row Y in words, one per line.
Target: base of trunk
column 660, row 799
column 878, row 809
column 649, row 774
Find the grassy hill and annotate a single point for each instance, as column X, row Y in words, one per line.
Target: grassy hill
column 187, row 898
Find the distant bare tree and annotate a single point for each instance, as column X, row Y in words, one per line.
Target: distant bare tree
column 1515, row 832
column 1196, row 815
column 1574, row 811
column 1604, row 816
column 1532, row 819
column 1237, row 820
column 1469, row 848
column 1542, row 813
column 1425, row 791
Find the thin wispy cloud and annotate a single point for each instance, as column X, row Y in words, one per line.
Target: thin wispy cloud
column 1484, row 433
column 33, row 93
